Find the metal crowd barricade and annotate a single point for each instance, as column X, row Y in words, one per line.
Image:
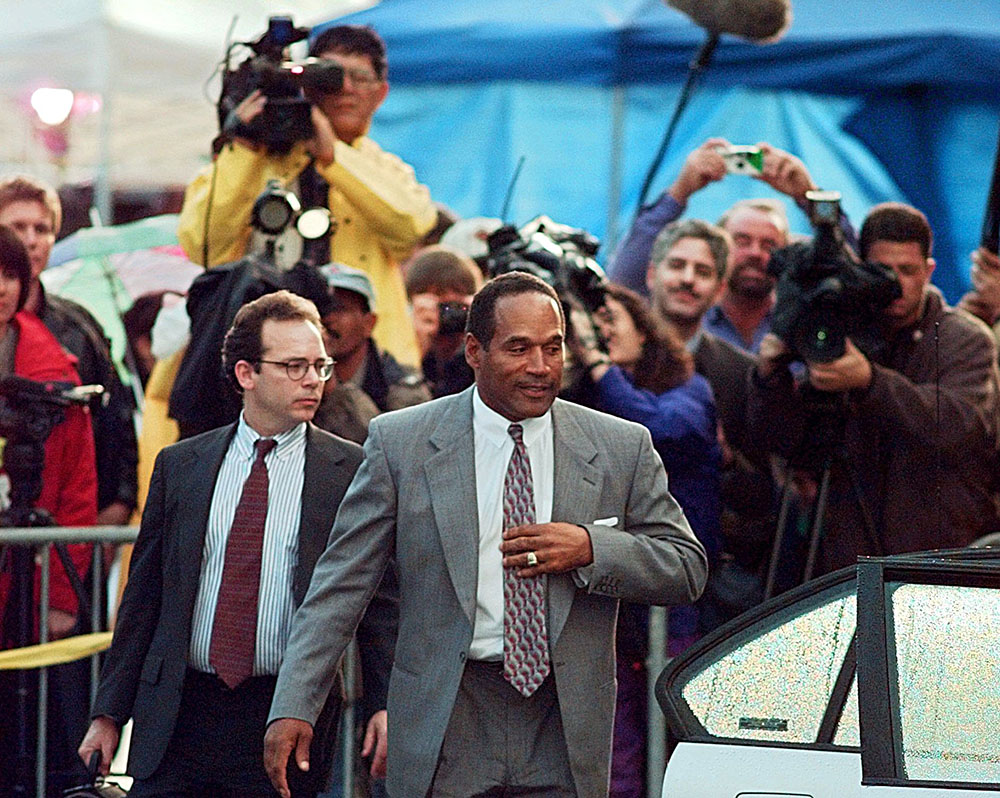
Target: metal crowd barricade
column 42, row 536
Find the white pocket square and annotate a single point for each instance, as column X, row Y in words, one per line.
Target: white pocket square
column 606, row 521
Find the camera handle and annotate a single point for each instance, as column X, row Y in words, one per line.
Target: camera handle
column 817, row 516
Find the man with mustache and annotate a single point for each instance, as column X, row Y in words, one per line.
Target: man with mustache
column 517, row 522
column 742, row 314
column 685, row 278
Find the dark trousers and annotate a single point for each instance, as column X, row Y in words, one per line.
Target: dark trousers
column 499, row 743
column 217, row 748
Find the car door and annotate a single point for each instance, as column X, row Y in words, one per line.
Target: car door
column 929, row 674
column 767, row 705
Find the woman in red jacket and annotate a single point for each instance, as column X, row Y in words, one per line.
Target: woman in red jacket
column 69, row 476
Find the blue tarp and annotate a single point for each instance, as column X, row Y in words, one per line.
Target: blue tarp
column 891, row 100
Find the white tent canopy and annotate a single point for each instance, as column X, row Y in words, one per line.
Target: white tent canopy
column 149, row 62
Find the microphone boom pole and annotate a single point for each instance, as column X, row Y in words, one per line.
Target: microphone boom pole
column 990, row 237
column 701, row 61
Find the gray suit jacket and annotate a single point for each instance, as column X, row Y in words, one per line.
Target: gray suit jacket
column 415, row 496
column 144, row 669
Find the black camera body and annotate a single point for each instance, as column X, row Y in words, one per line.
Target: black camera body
column 559, row 255
column 824, row 294
column 289, row 86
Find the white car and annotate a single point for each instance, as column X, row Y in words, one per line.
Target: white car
column 875, row 682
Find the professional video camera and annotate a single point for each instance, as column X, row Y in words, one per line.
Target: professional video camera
column 29, row 411
column 562, row 256
column 290, row 87
column 824, row 294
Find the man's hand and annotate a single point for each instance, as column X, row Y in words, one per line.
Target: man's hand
column 559, row 547
column 785, row 173
column 702, row 166
column 772, row 355
column 984, row 300
column 101, row 736
column 321, row 145
column 426, row 318
column 61, row 623
column 283, row 737
column 848, row 372
column 115, row 514
column 376, row 742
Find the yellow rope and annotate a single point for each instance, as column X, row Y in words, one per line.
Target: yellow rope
column 55, row 653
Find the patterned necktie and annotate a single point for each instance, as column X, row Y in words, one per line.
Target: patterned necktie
column 525, row 639
column 234, row 630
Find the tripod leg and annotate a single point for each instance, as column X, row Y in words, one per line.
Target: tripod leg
column 779, row 538
column 816, row 532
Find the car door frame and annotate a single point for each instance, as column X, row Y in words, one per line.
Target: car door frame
column 879, row 716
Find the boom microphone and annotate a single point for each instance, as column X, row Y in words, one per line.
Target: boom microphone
column 761, row 21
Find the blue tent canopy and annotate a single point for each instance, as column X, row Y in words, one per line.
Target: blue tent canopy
column 896, row 100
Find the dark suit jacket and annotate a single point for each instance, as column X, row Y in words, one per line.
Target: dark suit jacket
column 145, row 667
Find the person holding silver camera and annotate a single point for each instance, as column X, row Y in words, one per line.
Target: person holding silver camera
column 742, row 314
column 381, row 211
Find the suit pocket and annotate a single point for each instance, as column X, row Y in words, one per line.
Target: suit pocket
column 151, row 670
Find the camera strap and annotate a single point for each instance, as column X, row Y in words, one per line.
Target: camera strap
column 314, row 192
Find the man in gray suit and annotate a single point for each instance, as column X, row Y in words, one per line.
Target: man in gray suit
column 514, row 544
column 214, row 581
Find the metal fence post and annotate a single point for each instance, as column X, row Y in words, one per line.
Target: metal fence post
column 656, row 737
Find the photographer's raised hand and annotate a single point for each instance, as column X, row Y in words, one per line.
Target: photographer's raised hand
column 772, row 355
column 785, row 173
column 703, row 165
column 851, row 371
column 321, row 145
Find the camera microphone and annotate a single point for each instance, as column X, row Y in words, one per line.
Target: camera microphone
column 760, row 21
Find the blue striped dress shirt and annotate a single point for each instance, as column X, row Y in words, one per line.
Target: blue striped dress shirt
column 276, row 604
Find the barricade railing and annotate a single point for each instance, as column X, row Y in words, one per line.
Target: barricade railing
column 96, row 642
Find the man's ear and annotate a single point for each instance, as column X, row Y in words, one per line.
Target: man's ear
column 931, row 263
column 473, row 351
column 246, row 374
column 370, row 319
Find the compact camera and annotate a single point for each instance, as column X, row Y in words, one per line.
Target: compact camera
column 742, row 160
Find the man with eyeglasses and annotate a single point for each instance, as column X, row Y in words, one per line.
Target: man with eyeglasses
column 235, row 521
column 381, row 210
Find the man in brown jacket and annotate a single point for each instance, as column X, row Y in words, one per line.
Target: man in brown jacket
column 921, row 414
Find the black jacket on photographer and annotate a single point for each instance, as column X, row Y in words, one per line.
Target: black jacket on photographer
column 114, row 429
column 921, row 439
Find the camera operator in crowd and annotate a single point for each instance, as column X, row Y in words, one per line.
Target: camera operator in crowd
column 742, row 314
column 33, row 211
column 440, row 284
column 68, row 493
column 366, row 381
column 381, row 211
column 918, row 417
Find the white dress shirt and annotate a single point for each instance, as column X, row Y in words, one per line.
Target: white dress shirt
column 276, row 602
column 494, row 447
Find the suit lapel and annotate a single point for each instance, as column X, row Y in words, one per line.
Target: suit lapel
column 451, row 475
column 576, row 491
column 194, row 484
column 317, row 513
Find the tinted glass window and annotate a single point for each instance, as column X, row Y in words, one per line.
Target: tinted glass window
column 773, row 681
column 948, row 680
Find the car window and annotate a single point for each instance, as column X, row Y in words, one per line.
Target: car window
column 773, row 681
column 948, row 680
column 848, row 728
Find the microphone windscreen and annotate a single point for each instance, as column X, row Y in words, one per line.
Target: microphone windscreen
column 761, row 21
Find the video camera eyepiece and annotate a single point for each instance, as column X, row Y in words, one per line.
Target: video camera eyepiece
column 289, row 86
column 823, row 293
